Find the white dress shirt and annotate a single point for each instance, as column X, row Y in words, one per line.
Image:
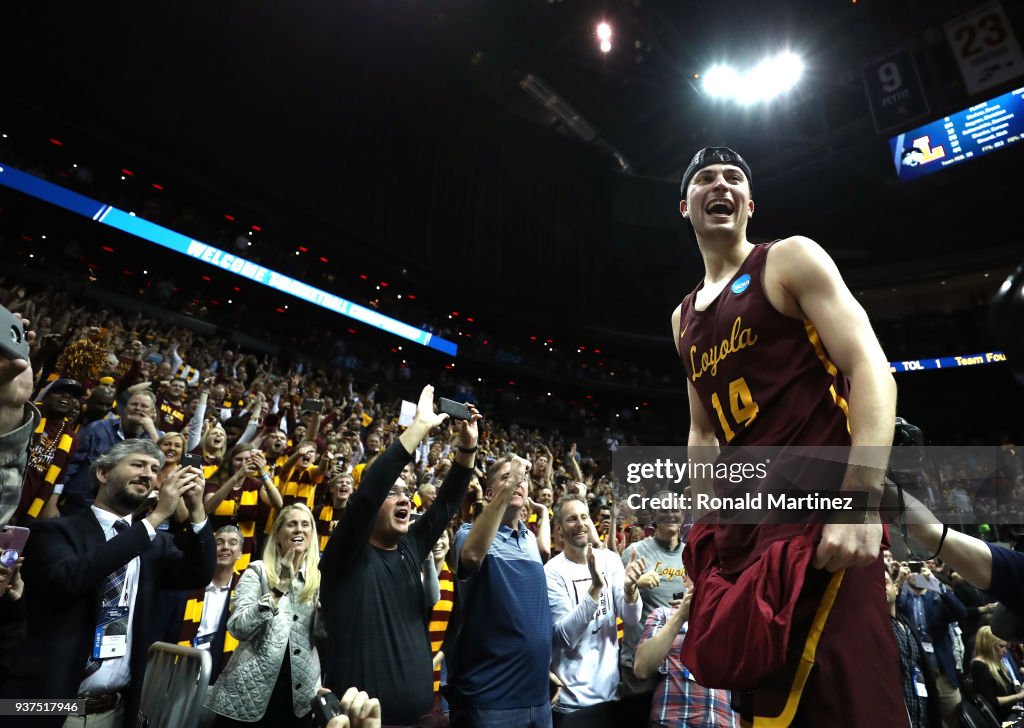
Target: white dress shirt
column 214, row 603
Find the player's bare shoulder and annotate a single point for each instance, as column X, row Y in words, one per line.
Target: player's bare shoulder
column 794, row 252
column 793, row 266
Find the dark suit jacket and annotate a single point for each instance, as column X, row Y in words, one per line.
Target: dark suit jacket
column 66, row 563
column 940, row 610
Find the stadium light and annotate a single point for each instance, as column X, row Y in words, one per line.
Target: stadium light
column 721, row 81
column 604, row 34
column 767, row 80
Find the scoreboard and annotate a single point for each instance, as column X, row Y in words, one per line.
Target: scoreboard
column 980, row 129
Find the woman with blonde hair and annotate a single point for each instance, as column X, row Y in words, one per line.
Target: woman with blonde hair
column 207, row 437
column 991, row 680
column 275, row 671
column 172, row 445
column 212, row 445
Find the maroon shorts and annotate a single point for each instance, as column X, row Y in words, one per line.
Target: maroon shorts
column 796, row 645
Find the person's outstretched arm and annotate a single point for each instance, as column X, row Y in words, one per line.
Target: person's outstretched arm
column 485, row 527
column 18, row 420
column 356, row 522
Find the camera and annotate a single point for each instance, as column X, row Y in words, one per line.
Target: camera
column 324, row 708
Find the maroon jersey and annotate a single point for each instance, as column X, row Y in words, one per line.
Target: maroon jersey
column 765, row 379
column 169, row 416
column 762, row 377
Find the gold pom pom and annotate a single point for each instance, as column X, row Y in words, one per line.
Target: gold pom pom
column 83, row 360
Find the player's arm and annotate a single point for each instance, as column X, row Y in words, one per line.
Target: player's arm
column 702, row 442
column 807, row 274
column 812, row 288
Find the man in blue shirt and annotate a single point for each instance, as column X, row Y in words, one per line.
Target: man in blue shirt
column 97, row 438
column 499, row 648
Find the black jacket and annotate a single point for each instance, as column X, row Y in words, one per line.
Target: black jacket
column 67, row 561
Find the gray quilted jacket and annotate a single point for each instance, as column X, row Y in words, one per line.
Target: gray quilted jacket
column 265, row 635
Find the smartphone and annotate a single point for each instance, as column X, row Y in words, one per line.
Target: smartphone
column 191, row 461
column 915, row 566
column 455, row 410
column 12, row 545
column 13, row 337
column 312, row 405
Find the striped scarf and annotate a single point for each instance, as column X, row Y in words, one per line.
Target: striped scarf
column 50, row 452
column 301, row 488
column 241, row 508
column 189, row 374
column 439, row 616
column 325, row 521
column 193, row 615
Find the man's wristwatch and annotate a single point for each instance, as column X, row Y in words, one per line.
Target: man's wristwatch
column 469, row 450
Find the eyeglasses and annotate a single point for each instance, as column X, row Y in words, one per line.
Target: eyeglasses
column 398, row 493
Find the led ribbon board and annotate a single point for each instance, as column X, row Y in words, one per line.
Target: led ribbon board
column 983, row 128
column 947, row 362
column 130, row 223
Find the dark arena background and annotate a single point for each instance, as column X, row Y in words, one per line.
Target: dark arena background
column 484, row 196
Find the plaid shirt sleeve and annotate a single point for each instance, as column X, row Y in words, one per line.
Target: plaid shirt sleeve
column 679, row 701
column 13, row 460
column 655, row 621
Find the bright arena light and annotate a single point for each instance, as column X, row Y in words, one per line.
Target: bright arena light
column 604, row 31
column 767, row 80
column 721, row 82
column 606, row 45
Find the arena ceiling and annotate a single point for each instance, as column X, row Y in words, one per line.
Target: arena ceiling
column 247, row 98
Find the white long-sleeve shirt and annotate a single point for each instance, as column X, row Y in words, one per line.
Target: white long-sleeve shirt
column 585, row 653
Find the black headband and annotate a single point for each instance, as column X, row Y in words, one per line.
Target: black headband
column 713, row 155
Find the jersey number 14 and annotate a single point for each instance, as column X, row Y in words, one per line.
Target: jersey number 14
column 742, row 407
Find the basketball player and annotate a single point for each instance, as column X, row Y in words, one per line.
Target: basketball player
column 791, row 617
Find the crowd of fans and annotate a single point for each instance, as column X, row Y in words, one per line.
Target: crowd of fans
column 245, row 465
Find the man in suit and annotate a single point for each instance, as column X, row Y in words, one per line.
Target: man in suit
column 92, row 580
column 931, row 608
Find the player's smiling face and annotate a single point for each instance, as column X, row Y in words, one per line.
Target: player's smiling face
column 718, row 198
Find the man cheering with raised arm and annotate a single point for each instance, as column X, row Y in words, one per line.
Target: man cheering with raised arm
column 373, row 600
column 499, row 640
